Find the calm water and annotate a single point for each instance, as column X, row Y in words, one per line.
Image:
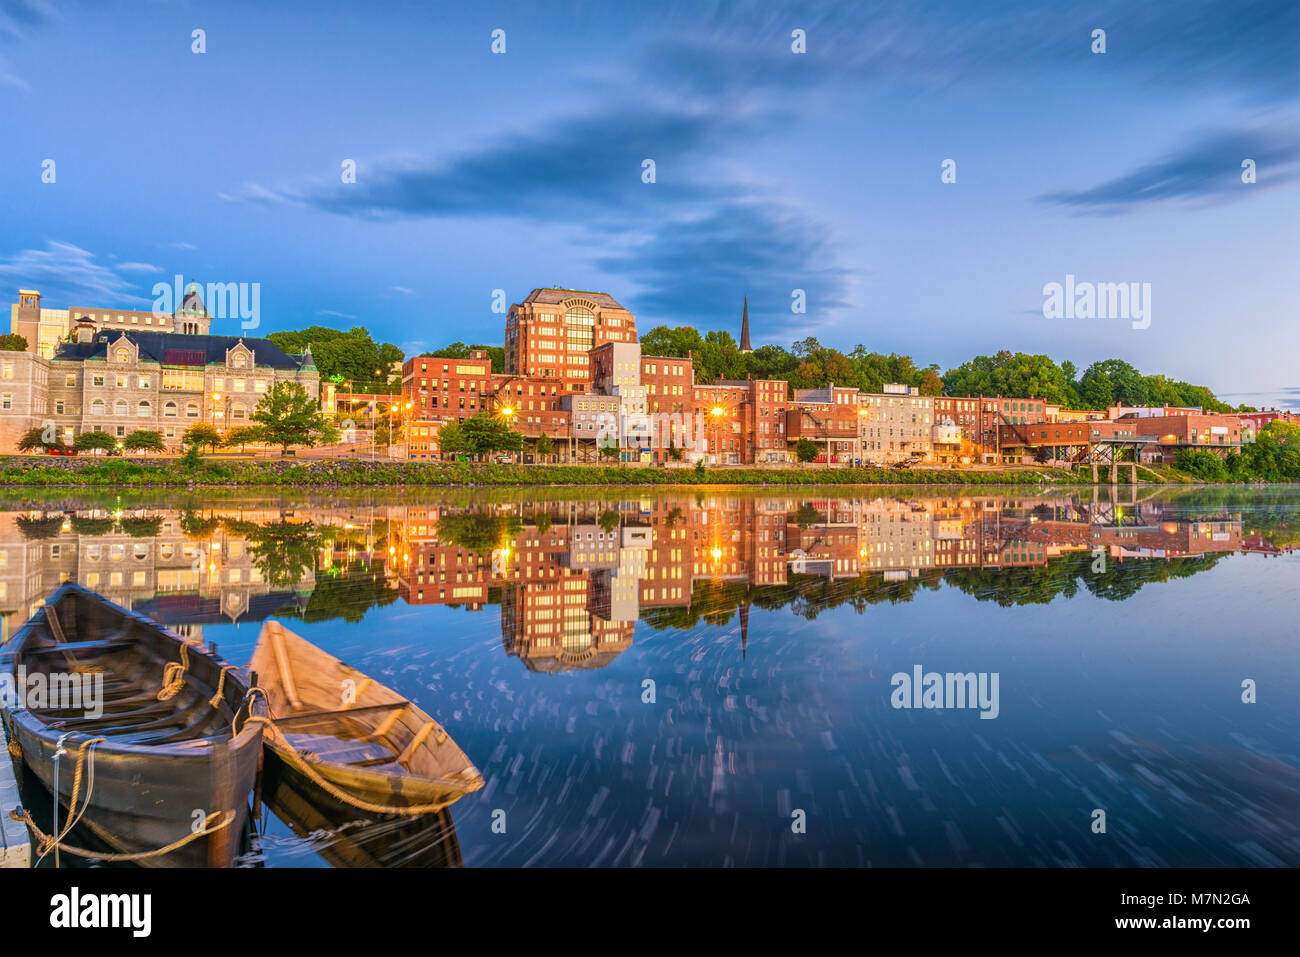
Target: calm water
column 766, row 628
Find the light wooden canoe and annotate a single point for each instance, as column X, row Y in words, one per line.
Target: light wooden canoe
column 366, row 740
column 163, row 760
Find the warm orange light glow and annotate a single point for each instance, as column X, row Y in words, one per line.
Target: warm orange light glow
column 717, row 410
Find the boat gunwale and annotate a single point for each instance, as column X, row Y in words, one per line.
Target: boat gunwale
column 11, row 653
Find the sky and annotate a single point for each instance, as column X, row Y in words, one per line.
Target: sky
column 774, row 170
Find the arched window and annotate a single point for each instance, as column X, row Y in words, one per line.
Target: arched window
column 579, row 324
column 237, row 361
column 97, row 407
column 123, row 356
column 169, row 409
column 120, row 407
column 144, row 410
column 191, row 410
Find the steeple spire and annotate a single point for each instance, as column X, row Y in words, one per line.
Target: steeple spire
column 744, row 329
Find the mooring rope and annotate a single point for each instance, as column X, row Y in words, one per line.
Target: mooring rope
column 174, row 672
column 46, row 842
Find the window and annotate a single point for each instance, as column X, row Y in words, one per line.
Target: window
column 70, row 379
column 97, row 407
column 143, row 382
column 191, row 410
column 58, row 408
column 237, row 411
column 122, row 355
column 259, row 385
column 144, row 409
column 97, row 379
column 7, row 401
column 237, row 385
column 8, row 370
column 120, row 407
column 120, row 381
column 238, row 361
column 169, row 409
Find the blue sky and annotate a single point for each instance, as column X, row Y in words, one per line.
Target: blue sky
column 775, row 171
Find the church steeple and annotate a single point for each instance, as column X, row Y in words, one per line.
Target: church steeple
column 744, row 329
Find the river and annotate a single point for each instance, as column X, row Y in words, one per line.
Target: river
column 716, row 676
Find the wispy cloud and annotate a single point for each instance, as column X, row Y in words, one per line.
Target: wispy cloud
column 1208, row 170
column 403, row 290
column 69, row 275
column 336, row 315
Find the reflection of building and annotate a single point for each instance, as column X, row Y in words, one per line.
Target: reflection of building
column 146, row 561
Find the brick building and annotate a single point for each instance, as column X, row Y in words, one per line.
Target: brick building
column 550, row 334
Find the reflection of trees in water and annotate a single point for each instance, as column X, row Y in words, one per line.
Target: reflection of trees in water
column 1063, row 576
column 477, row 532
column 142, row 527
column 197, row 528
column 36, row 529
column 347, row 592
column 714, row 602
column 91, row 526
column 284, row 552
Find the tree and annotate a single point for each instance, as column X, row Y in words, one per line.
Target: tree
column 340, row 355
column 458, row 350
column 608, row 520
column 675, row 451
column 34, row 440
column 609, row 447
column 88, row 441
column 144, row 440
column 242, row 435
column 13, row 342
column 481, row 435
column 805, row 450
column 544, row 445
column 199, row 434
column 289, row 416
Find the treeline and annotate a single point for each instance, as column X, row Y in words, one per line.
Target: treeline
column 1274, row 456
column 808, row 365
column 458, row 350
column 351, row 356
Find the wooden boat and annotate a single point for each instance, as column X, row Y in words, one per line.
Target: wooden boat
column 178, row 752
column 347, row 837
column 347, row 734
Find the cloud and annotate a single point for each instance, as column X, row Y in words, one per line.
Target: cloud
column 403, row 290
column 1207, row 170
column 336, row 315
column 68, row 275
column 137, row 267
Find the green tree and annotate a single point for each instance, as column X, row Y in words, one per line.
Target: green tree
column 242, row 435
column 289, row 416
column 481, row 435
column 33, row 440
column 675, row 451
column 805, row 450
column 144, row 440
column 544, row 445
column 13, row 342
column 90, row 441
column 459, row 350
column 200, row 434
column 609, row 447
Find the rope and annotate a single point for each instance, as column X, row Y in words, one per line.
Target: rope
column 46, row 842
column 296, row 759
column 174, row 673
column 215, row 700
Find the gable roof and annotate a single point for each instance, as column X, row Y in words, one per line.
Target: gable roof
column 169, row 348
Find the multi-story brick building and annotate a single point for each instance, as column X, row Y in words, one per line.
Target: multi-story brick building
column 120, row 381
column 1220, row 434
column 828, row 417
column 550, row 334
column 443, row 390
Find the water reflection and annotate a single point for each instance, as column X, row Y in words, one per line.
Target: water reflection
column 571, row 578
column 771, row 623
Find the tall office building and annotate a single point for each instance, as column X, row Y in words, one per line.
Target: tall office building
column 549, row 334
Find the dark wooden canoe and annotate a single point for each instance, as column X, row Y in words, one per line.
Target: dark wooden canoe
column 165, row 764
column 347, row 837
column 362, row 738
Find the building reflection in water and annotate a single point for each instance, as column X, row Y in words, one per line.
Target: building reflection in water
column 572, row 578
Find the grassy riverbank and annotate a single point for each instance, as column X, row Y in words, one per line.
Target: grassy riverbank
column 335, row 473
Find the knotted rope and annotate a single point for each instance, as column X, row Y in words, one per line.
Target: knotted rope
column 174, row 673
